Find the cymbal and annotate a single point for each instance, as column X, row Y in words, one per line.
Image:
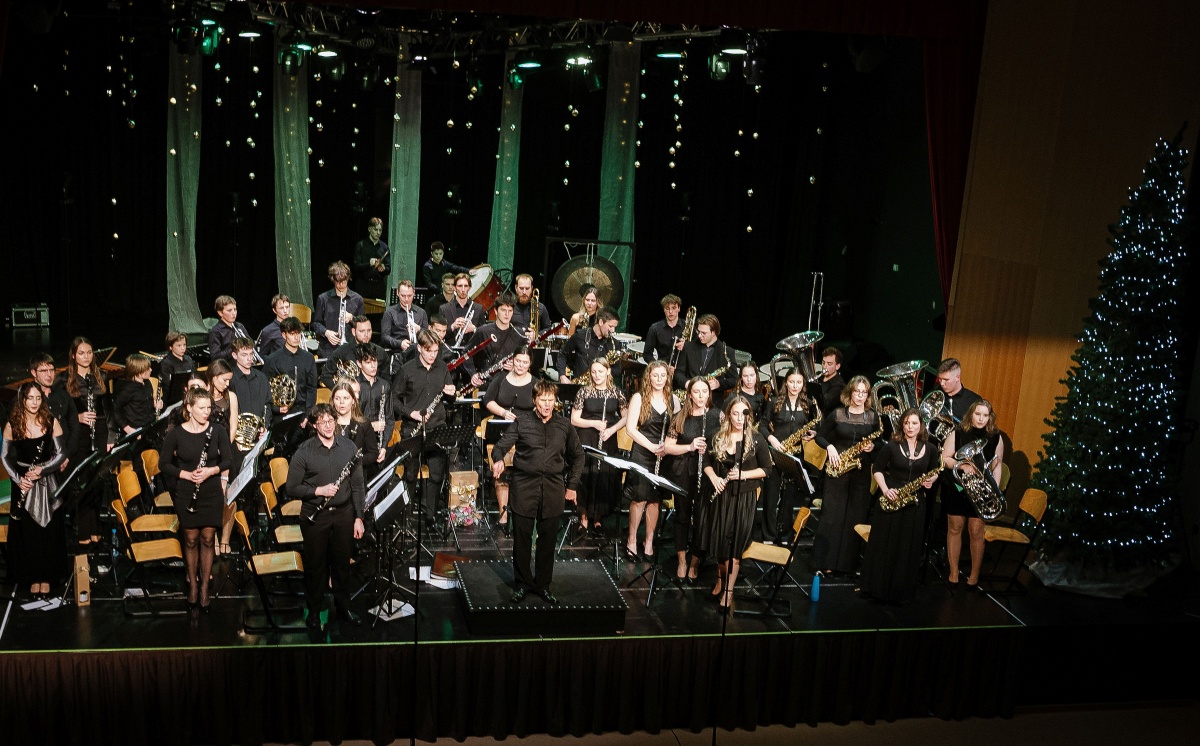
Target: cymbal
column 586, row 270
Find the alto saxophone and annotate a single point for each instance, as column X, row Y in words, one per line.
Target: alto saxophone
column 792, row 443
column 681, row 395
column 907, row 493
column 612, row 357
column 849, row 459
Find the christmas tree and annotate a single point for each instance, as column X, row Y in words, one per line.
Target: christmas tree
column 1111, row 524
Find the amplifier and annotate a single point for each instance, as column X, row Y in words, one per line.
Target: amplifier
column 30, row 315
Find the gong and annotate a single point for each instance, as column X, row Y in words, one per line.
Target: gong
column 583, row 270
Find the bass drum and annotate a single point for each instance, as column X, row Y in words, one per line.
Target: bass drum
column 485, row 289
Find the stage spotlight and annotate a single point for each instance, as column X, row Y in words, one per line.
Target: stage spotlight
column 326, row 51
column 718, row 67
column 732, row 41
column 580, row 57
column 365, row 40
column 291, row 59
column 239, row 18
column 754, row 64
column 671, row 49
column 528, row 60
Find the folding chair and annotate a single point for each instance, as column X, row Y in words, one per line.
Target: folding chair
column 144, row 553
column 151, row 471
column 1021, row 534
column 780, row 559
column 262, row 566
column 283, row 534
column 129, row 487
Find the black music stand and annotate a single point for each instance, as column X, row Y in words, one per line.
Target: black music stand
column 387, row 514
column 178, row 387
column 284, row 429
column 625, row 465
column 492, row 432
column 791, row 468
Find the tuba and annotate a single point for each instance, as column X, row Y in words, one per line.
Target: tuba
column 904, row 380
column 799, row 349
column 937, row 422
column 978, row 481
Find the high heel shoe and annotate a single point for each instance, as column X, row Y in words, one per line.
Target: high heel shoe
column 631, row 554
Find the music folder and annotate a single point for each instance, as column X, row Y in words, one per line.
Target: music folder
column 382, row 510
column 627, row 466
column 791, row 466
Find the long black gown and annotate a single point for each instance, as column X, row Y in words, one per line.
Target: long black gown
column 847, row 499
column 181, row 452
column 601, row 483
column 727, row 519
column 892, row 558
column 35, row 553
column 684, row 471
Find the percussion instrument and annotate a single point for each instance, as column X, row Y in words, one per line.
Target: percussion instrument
column 637, row 348
column 556, row 341
column 485, row 288
column 624, row 340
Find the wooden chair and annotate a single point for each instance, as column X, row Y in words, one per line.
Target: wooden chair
column 143, row 554
column 324, row 394
column 284, row 534
column 279, row 475
column 1021, row 534
column 263, row 566
column 150, row 471
column 302, row 313
column 780, row 559
column 129, row 487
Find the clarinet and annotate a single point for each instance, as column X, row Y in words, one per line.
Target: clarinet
column 458, row 340
column 342, row 322
column 20, row 504
column 700, row 456
column 337, row 484
column 485, row 376
column 91, row 406
column 663, row 437
column 382, row 400
column 191, row 508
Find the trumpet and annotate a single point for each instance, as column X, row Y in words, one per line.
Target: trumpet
column 342, row 322
column 462, row 330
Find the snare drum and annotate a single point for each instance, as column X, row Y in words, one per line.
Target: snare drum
column 624, row 340
column 485, row 289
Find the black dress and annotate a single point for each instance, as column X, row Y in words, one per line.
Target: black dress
column 892, row 558
column 727, row 519
column 655, row 430
column 782, row 423
column 90, row 439
column 508, row 395
column 181, row 452
column 601, row 483
column 685, row 471
column 757, row 402
column 954, row 498
column 846, row 500
column 35, row 553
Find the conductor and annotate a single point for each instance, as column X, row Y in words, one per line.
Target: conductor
column 538, row 487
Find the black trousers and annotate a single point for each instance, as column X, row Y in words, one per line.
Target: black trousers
column 543, row 570
column 328, row 542
column 434, row 458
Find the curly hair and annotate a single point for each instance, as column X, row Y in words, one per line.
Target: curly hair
column 18, row 417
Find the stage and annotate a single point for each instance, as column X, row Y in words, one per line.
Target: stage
column 675, row 664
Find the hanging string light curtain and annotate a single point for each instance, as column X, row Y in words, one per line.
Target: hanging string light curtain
column 503, row 235
column 183, row 178
column 618, row 154
column 293, row 212
column 405, row 199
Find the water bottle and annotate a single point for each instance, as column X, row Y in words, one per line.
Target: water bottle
column 815, row 592
column 114, row 550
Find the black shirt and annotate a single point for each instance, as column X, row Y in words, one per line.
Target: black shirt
column 422, row 387
column 325, row 317
column 521, row 312
column 170, row 367
column 831, row 392
column 433, row 272
column 302, row 367
column 660, row 340
column 62, row 406
column 453, row 311
column 581, row 349
column 957, row 405
column 699, row 360
column 314, row 464
column 544, row 451
column 506, row 343
column 253, row 393
column 220, row 340
column 135, row 406
column 369, row 396
column 394, row 327
column 269, row 339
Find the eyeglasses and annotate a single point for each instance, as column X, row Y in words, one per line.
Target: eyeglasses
column 862, row 391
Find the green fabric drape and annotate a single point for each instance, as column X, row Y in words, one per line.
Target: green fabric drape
column 183, row 179
column 293, row 214
column 617, row 158
column 405, row 201
column 503, row 237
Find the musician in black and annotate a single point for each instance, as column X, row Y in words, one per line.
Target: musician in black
column 176, row 362
column 250, row 384
column 666, row 334
column 374, row 390
column 595, row 341
column 507, row 341
column 86, row 384
column 438, row 299
column 326, row 474
column 786, row 413
column 294, row 361
column 463, row 314
column 589, row 304
column 437, row 267
column 439, row 326
column 62, row 406
column 271, row 336
column 342, row 355
column 335, row 310
column 523, row 310
column 136, row 405
column 705, row 356
column 958, row 397
column 222, row 334
column 426, row 382
column 370, row 261
column 546, row 446
column 978, row 424
column 828, row 388
column 403, row 321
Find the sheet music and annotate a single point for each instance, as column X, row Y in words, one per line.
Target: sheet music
column 248, row 472
column 168, row 410
column 643, row 472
